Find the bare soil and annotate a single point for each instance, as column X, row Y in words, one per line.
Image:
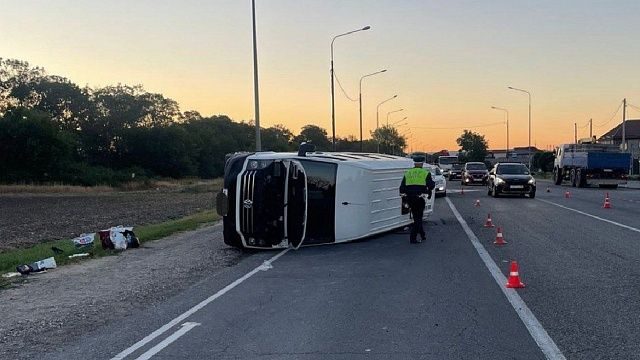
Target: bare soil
column 26, row 219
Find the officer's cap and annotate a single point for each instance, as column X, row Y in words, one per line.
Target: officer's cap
column 418, row 158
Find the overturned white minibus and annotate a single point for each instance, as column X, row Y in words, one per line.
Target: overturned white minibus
column 276, row 200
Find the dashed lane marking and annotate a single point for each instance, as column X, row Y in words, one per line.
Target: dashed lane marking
column 164, row 328
column 166, row 342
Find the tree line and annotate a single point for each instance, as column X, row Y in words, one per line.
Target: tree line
column 52, row 130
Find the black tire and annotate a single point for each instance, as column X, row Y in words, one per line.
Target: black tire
column 532, row 195
column 572, row 176
column 488, row 190
column 444, row 194
column 557, row 176
column 496, row 193
column 581, row 180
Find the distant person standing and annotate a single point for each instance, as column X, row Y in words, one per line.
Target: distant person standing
column 417, row 183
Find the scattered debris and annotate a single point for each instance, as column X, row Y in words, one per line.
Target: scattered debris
column 10, row 275
column 48, row 263
column 78, row 255
column 57, row 250
column 119, row 238
column 84, row 239
column 38, row 266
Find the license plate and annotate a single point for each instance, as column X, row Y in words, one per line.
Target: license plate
column 517, row 186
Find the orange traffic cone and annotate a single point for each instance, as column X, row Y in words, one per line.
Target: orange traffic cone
column 567, row 194
column 514, row 277
column 477, row 202
column 489, row 223
column 607, row 202
column 499, row 238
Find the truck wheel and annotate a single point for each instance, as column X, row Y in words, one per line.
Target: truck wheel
column 557, row 176
column 572, row 176
column 579, row 178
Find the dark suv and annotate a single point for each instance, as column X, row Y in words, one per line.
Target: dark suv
column 511, row 178
column 455, row 172
column 474, row 173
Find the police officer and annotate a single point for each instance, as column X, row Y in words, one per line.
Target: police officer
column 416, row 183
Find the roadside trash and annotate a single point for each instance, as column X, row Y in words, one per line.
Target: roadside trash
column 23, row 269
column 10, row 275
column 84, row 239
column 78, row 255
column 48, row 263
column 56, row 250
column 119, row 238
column 41, row 265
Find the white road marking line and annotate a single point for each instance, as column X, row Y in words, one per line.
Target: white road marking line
column 166, row 342
column 538, row 333
column 592, row 216
column 263, row 267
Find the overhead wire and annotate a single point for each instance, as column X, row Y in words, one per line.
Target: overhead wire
column 612, row 117
column 344, row 92
column 634, row 107
column 459, row 127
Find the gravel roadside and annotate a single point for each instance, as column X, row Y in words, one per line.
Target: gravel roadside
column 55, row 307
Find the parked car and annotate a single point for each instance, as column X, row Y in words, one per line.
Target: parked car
column 474, row 173
column 438, row 177
column 455, row 172
column 511, row 178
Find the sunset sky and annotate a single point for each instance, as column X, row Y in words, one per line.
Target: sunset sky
column 448, row 61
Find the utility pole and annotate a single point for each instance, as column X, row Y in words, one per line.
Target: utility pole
column 590, row 128
column 624, row 125
column 255, row 79
column 575, row 133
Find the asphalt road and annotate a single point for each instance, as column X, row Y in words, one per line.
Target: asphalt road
column 384, row 298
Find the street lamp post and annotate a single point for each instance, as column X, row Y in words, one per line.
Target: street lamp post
column 391, row 112
column 507, row 113
column 255, row 79
column 399, row 121
column 378, row 115
column 529, row 147
column 333, row 103
column 360, row 100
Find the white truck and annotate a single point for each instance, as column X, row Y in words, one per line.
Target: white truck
column 588, row 163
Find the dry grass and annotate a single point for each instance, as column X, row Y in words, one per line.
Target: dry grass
column 185, row 185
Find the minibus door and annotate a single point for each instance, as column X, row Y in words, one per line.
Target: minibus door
column 296, row 213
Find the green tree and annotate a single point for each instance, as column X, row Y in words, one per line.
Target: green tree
column 543, row 160
column 473, row 146
column 276, row 138
column 390, row 140
column 314, row 135
column 32, row 148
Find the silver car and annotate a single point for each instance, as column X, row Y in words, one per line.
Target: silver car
column 438, row 178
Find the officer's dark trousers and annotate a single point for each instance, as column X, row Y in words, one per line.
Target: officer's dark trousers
column 416, row 203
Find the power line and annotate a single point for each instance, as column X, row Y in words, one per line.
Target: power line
column 342, row 88
column 458, row 127
column 612, row 117
column 634, row 107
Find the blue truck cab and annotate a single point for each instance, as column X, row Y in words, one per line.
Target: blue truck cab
column 588, row 163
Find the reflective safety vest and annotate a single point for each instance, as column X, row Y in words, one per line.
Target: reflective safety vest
column 416, row 176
